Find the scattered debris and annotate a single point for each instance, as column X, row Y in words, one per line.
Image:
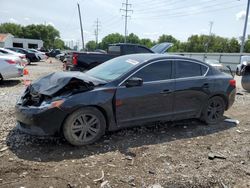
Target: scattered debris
column 111, row 165
column 105, row 184
column 151, row 172
column 101, row 178
column 4, row 149
column 238, row 93
column 212, row 156
column 155, row 186
column 129, row 157
column 235, row 121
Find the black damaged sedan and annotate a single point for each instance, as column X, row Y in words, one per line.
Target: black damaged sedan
column 125, row 91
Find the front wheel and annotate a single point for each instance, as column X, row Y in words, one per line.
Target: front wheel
column 84, row 126
column 213, row 111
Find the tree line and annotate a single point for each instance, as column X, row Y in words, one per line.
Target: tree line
column 47, row 33
column 195, row 43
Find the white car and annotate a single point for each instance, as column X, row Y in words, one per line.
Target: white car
column 40, row 55
column 215, row 63
column 24, row 61
column 10, row 67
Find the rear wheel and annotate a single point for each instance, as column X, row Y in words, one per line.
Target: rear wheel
column 84, row 126
column 213, row 110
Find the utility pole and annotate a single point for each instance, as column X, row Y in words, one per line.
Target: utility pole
column 97, row 24
column 80, row 18
column 245, row 29
column 126, row 10
column 211, row 23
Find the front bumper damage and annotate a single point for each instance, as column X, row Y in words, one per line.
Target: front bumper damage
column 35, row 112
column 42, row 122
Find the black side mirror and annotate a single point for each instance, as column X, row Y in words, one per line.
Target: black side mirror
column 133, row 82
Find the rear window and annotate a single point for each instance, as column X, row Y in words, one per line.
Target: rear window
column 114, row 50
column 186, row 69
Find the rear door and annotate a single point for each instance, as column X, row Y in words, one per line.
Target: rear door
column 149, row 102
column 191, row 88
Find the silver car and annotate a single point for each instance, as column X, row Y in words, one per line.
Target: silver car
column 10, row 67
column 4, row 51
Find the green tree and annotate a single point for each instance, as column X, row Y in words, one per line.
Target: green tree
column 167, row 38
column 233, row 46
column 12, row 28
column 132, row 38
column 111, row 39
column 58, row 44
column 47, row 33
column 146, row 42
column 91, row 45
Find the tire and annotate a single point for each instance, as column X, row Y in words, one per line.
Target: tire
column 81, row 129
column 29, row 62
column 245, row 82
column 213, row 111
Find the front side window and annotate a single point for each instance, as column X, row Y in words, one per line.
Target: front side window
column 186, row 69
column 161, row 70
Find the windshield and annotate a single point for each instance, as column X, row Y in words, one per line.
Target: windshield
column 112, row 69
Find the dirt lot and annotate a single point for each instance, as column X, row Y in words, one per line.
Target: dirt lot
column 162, row 155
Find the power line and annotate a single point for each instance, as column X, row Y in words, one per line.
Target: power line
column 181, row 14
column 180, row 9
column 126, row 10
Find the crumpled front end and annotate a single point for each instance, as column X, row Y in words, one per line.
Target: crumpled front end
column 40, row 111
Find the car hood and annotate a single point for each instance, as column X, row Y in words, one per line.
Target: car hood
column 161, row 48
column 53, row 83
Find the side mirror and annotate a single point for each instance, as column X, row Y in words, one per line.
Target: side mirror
column 133, row 82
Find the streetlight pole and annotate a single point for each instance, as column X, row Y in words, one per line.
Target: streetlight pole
column 245, row 28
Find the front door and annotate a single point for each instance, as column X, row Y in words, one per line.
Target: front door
column 149, row 102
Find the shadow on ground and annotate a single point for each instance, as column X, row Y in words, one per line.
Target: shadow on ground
column 9, row 83
column 57, row 149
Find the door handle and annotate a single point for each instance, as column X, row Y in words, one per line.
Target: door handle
column 206, row 85
column 166, row 91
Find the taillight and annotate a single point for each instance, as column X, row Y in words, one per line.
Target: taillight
column 11, row 61
column 75, row 57
column 232, row 83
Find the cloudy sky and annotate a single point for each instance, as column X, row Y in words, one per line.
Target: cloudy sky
column 149, row 19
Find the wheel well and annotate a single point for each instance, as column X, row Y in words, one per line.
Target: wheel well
column 98, row 107
column 223, row 97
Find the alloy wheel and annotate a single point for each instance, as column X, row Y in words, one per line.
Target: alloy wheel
column 85, row 127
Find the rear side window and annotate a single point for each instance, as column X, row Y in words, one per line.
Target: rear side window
column 186, row 69
column 161, row 70
column 116, row 50
column 143, row 50
column 129, row 49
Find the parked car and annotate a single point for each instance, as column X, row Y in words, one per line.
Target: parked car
column 53, row 53
column 31, row 56
column 82, row 61
column 215, row 63
column 5, row 51
column 62, row 56
column 40, row 55
column 124, row 91
column 10, row 67
column 243, row 69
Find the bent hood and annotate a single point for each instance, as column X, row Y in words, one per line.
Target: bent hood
column 52, row 83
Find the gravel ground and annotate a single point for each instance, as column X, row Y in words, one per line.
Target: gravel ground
column 162, row 155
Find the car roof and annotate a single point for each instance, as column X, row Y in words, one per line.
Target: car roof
column 153, row 57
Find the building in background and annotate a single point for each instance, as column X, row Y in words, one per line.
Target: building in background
column 8, row 41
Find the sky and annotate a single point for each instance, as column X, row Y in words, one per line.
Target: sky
column 149, row 18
